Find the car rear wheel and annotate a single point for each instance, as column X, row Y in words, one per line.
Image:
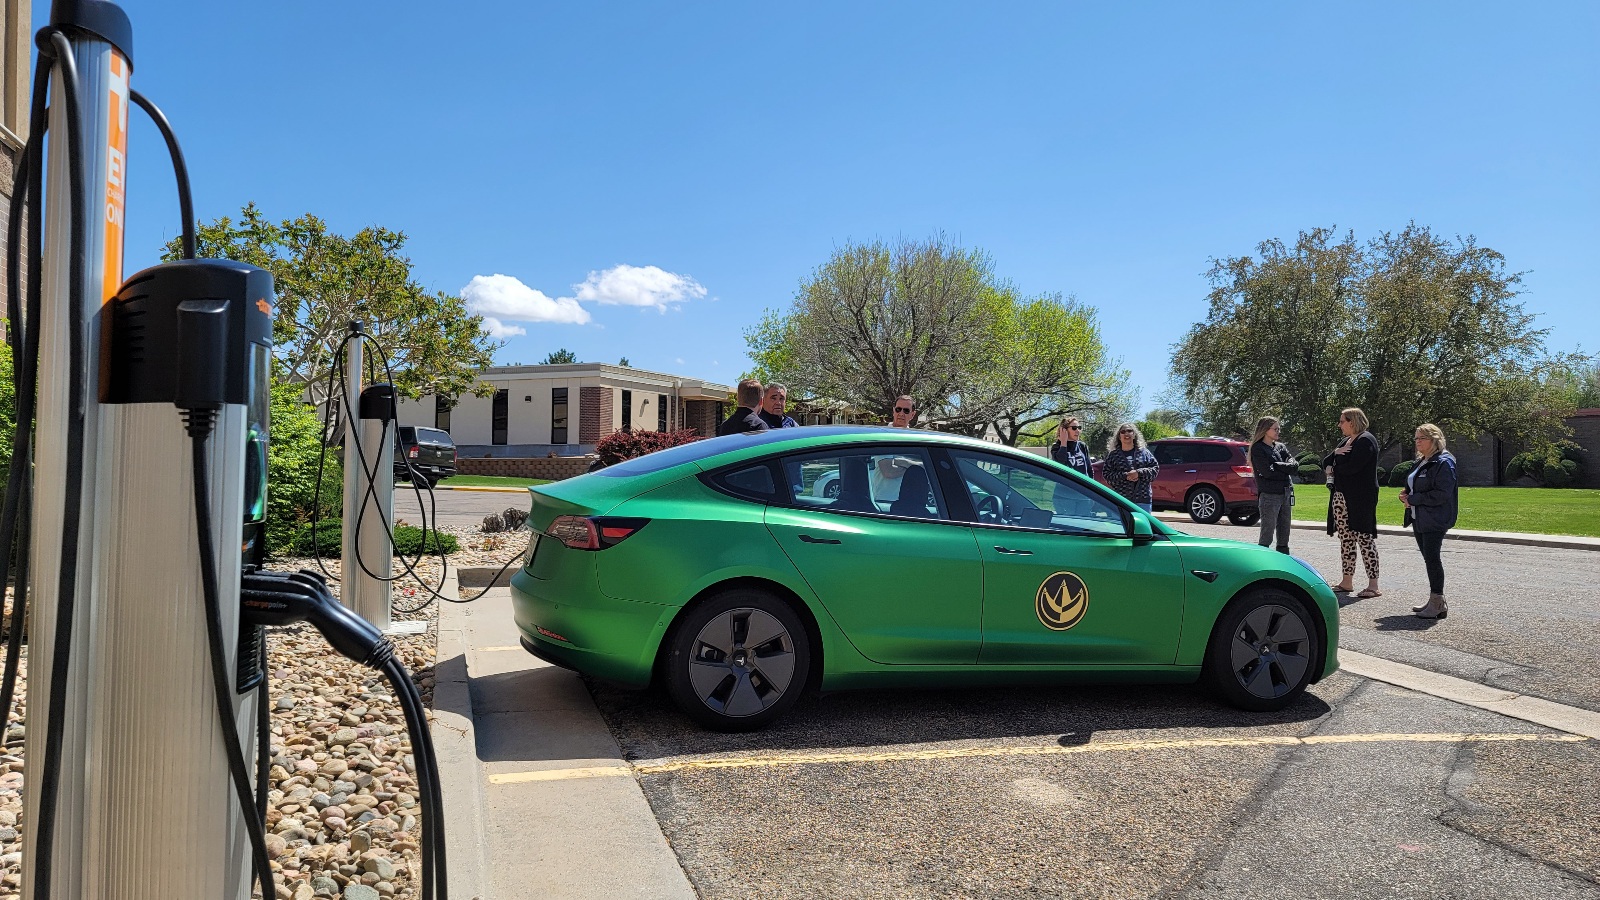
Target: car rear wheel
column 1205, row 505
column 1245, row 516
column 1263, row 652
column 738, row 661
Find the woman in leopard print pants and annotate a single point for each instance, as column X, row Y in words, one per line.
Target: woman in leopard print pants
column 1353, row 506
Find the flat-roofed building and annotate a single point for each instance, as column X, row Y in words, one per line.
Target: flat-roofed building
column 565, row 409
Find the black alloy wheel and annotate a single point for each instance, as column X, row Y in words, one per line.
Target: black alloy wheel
column 1263, row 652
column 738, row 661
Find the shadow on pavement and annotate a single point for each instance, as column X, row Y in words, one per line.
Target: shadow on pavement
column 1404, row 623
column 648, row 726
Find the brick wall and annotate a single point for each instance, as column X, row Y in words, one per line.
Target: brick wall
column 1585, row 427
column 553, row 469
column 701, row 415
column 595, row 413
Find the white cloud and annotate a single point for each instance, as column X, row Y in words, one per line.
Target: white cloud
column 497, row 329
column 501, row 297
column 626, row 285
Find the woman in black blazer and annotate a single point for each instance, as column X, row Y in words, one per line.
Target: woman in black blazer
column 1353, row 503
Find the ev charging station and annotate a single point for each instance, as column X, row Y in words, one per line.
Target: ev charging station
column 147, row 485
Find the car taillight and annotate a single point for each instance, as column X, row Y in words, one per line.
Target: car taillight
column 1244, row 471
column 593, row 532
column 452, row 454
column 412, row 452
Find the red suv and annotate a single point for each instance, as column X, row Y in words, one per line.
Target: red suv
column 1204, row 477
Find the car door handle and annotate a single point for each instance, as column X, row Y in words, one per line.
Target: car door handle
column 1190, row 471
column 811, row 540
column 1000, row 549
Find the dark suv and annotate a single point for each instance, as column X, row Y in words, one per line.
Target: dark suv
column 1205, row 477
column 429, row 451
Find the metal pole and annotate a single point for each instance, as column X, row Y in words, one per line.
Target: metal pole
column 103, row 72
column 351, row 582
column 376, row 415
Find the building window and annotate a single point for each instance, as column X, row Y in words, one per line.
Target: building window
column 627, row 410
column 441, row 412
column 558, row 415
column 661, row 412
column 500, row 416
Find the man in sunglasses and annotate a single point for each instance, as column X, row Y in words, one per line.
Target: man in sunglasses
column 904, row 409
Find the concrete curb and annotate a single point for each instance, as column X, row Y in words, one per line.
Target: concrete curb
column 484, row 489
column 1570, row 719
column 455, row 743
column 1523, row 539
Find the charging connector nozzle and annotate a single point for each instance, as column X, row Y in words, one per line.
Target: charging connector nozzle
column 284, row 598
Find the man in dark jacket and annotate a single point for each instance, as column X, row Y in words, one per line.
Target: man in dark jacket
column 745, row 418
column 773, row 402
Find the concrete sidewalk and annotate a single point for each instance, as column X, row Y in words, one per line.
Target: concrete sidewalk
column 1558, row 541
column 539, row 801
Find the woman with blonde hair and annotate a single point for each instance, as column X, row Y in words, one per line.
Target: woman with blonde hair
column 1430, row 501
column 1353, row 501
column 1273, row 464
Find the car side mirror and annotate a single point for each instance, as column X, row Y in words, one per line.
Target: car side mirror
column 1143, row 533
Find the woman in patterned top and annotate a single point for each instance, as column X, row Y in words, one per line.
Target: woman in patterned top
column 1130, row 467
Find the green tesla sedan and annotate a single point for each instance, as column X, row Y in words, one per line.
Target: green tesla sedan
column 720, row 571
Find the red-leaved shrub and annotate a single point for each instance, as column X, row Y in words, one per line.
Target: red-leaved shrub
column 615, row 448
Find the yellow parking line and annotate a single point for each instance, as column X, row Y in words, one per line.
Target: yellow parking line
column 494, row 649
column 560, row 774
column 804, row 759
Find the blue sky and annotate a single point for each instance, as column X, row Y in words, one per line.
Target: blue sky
column 1103, row 150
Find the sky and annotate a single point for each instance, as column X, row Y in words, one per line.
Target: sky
column 643, row 180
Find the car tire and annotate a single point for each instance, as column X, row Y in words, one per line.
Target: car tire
column 1245, row 516
column 1263, row 652
column 1204, row 505
column 738, row 661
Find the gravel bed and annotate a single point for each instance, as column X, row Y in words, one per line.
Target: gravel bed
column 343, row 817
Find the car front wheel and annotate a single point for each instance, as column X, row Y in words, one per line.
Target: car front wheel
column 1205, row 506
column 1263, row 652
column 738, row 661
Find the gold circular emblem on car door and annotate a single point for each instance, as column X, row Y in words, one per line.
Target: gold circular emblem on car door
column 1062, row 601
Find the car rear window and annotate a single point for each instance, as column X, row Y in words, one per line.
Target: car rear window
column 434, row 436
column 666, row 459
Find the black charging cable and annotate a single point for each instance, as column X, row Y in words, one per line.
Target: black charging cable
column 49, row 783
column 285, row 598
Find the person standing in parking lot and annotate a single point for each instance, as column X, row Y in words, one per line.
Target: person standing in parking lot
column 1130, row 468
column 1353, row 501
column 1068, row 450
column 1273, row 464
column 904, row 409
column 745, row 418
column 1430, row 501
column 773, row 402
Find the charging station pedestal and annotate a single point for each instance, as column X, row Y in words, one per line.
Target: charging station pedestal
column 370, row 531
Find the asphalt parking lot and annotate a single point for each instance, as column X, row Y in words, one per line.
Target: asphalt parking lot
column 1361, row 789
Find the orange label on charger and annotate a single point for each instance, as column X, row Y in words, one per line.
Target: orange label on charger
column 116, row 172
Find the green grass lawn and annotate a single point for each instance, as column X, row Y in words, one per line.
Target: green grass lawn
column 1532, row 510
column 490, row 481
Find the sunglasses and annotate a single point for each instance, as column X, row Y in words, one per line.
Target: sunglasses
column 902, row 409
column 1073, row 427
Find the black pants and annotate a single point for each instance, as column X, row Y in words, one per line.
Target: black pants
column 1430, row 542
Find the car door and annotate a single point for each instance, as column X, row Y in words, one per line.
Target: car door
column 900, row 576
column 1177, row 473
column 1064, row 580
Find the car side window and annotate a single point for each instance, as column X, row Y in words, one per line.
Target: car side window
column 1216, row 453
column 895, row 482
column 1006, row 492
column 1170, row 454
column 751, row 482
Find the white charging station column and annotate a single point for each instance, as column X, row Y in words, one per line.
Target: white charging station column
column 355, row 483
column 103, row 72
column 375, row 413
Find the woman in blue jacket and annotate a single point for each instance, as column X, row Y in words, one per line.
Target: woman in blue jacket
column 1430, row 499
